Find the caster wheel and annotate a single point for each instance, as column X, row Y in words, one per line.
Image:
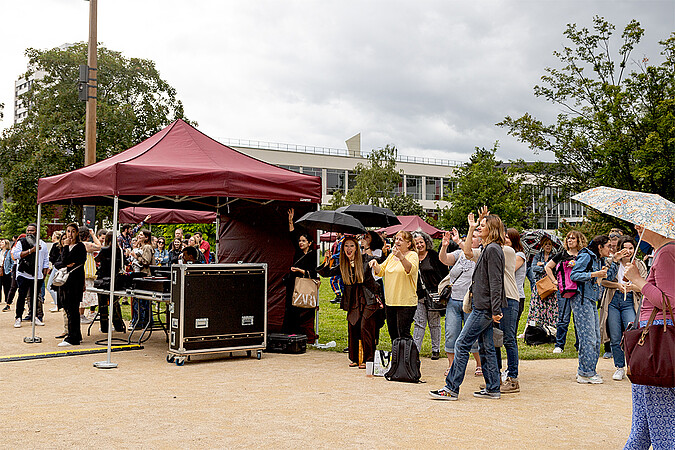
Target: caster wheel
column 259, row 354
column 248, row 353
column 180, row 362
column 170, row 358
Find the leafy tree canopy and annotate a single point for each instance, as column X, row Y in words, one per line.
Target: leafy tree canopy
column 133, row 103
column 617, row 127
column 375, row 181
column 404, row 205
column 483, row 181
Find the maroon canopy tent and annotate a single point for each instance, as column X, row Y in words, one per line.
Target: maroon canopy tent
column 135, row 214
column 182, row 168
column 413, row 223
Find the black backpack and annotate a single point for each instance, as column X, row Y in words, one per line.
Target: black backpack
column 536, row 335
column 405, row 361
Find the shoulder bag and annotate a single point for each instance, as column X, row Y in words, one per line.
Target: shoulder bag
column 305, row 293
column 650, row 351
column 60, row 276
column 545, row 287
column 433, row 301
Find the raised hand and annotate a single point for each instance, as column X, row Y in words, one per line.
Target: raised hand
column 445, row 241
column 483, row 213
column 472, row 221
column 454, row 234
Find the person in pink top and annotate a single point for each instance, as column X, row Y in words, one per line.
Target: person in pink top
column 654, row 406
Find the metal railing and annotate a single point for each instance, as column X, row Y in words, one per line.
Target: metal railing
column 296, row 148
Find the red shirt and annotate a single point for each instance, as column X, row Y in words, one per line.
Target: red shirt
column 205, row 248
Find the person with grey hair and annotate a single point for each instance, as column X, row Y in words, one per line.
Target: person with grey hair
column 431, row 272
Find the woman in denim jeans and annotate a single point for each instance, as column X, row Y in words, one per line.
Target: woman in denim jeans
column 654, row 406
column 620, row 301
column 488, row 300
column 460, row 275
column 586, row 273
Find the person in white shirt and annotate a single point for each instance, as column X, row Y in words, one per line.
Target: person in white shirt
column 24, row 252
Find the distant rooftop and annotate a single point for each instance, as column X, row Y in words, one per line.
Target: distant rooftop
column 296, row 148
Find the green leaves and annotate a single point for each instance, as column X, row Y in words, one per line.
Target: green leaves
column 133, row 103
column 617, row 127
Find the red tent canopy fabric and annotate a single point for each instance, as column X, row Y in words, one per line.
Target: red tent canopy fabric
column 135, row 214
column 413, row 223
column 179, row 163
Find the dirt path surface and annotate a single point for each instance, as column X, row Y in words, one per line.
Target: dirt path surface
column 286, row 401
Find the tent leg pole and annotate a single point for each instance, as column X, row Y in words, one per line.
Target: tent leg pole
column 107, row 364
column 217, row 234
column 35, row 339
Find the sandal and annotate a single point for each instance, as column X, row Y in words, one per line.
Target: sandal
column 362, row 366
column 478, row 372
column 353, row 364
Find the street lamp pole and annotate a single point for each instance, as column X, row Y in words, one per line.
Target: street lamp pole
column 92, row 62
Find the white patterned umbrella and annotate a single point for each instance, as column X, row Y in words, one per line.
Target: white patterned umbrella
column 648, row 210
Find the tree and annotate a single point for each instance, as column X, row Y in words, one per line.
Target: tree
column 483, row 182
column 617, row 128
column 375, row 181
column 133, row 103
column 404, row 205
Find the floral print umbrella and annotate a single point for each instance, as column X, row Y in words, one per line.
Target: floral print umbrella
column 648, row 210
column 531, row 241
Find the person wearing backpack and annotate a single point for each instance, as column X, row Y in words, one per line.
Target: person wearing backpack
column 620, row 301
column 562, row 263
column 488, row 299
column 587, row 272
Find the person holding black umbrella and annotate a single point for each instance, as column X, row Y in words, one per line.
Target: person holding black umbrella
column 299, row 320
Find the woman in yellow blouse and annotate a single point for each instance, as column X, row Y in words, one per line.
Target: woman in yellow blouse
column 399, row 274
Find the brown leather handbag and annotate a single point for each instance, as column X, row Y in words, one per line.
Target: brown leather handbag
column 545, row 287
column 650, row 351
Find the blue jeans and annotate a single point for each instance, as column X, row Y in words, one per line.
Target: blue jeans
column 620, row 313
column 564, row 315
column 454, row 316
column 478, row 326
column 588, row 329
column 509, row 326
column 52, row 292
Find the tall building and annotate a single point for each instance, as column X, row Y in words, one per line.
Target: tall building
column 424, row 179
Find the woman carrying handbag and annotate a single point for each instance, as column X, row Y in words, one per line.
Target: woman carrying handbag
column 654, row 406
column 300, row 320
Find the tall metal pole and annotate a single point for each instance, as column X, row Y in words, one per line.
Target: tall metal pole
column 92, row 62
column 35, row 339
column 107, row 364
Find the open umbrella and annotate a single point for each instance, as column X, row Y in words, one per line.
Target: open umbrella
column 331, row 221
column 648, row 210
column 531, row 240
column 371, row 215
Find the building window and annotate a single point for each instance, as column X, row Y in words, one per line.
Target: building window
column 433, row 188
column 312, row 171
column 448, row 186
column 293, row 168
column 351, row 180
column 335, row 181
column 413, row 186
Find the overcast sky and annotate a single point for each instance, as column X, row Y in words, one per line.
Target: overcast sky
column 431, row 77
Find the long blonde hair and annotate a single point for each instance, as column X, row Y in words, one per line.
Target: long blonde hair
column 345, row 264
column 495, row 230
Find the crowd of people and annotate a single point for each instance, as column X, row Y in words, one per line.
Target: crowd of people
column 87, row 258
column 611, row 292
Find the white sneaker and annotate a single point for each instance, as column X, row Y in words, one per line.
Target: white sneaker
column 84, row 319
column 54, row 309
column 595, row 379
column 64, row 344
column 17, row 323
column 557, row 350
column 619, row 374
column 39, row 323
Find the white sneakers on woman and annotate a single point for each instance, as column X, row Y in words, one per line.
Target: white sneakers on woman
column 619, row 374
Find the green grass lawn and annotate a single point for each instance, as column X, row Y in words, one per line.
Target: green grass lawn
column 333, row 327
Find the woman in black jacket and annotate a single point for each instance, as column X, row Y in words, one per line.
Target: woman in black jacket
column 104, row 258
column 361, row 299
column 300, row 320
column 176, row 251
column 73, row 256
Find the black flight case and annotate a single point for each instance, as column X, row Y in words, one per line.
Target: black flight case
column 217, row 308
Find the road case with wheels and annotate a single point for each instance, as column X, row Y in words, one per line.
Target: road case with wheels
column 217, row 308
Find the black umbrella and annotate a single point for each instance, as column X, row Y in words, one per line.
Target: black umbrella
column 331, row 221
column 371, row 215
